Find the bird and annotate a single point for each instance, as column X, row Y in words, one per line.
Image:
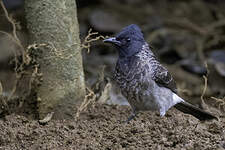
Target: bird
column 143, row 80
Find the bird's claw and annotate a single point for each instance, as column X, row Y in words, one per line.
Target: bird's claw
column 131, row 117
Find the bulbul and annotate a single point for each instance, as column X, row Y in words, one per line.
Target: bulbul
column 145, row 83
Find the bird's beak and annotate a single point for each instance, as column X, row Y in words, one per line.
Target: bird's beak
column 112, row 40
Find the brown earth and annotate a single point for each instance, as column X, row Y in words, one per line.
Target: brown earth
column 102, row 127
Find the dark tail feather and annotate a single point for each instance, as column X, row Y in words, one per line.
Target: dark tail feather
column 195, row 111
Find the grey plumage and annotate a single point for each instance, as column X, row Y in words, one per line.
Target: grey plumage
column 145, row 83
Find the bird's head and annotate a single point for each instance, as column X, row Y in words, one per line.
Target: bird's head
column 129, row 41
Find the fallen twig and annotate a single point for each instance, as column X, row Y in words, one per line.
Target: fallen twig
column 47, row 118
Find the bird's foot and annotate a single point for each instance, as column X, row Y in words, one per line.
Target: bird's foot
column 131, row 117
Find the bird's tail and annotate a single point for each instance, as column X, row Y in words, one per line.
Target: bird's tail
column 195, row 111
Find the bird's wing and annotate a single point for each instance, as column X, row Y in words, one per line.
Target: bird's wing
column 163, row 78
column 159, row 73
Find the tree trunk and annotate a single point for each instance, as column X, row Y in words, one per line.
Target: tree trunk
column 55, row 22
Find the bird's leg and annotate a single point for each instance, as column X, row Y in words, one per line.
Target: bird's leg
column 132, row 116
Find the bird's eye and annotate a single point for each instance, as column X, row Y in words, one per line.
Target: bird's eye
column 128, row 39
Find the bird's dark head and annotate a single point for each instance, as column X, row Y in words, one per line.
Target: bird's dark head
column 129, row 41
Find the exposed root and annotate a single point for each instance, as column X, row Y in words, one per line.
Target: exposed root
column 16, row 40
column 56, row 53
column 220, row 103
column 12, row 23
column 205, row 85
column 89, row 99
column 99, row 92
column 86, row 44
column 204, row 89
column 15, row 37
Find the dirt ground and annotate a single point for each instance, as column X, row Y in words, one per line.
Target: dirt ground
column 102, row 127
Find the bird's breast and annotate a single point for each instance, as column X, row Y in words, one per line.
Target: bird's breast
column 136, row 85
column 130, row 82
